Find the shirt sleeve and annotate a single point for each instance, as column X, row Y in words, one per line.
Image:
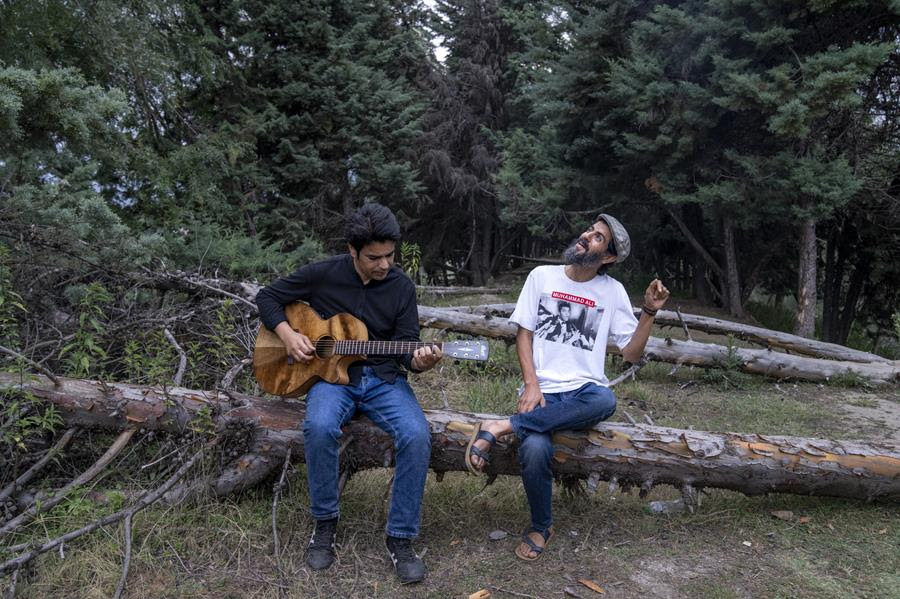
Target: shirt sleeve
column 623, row 323
column 272, row 299
column 407, row 323
column 525, row 314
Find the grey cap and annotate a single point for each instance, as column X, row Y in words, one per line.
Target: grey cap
column 620, row 236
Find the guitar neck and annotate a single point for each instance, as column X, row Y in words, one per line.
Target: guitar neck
column 352, row 347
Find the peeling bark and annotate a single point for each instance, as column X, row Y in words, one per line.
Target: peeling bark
column 630, row 455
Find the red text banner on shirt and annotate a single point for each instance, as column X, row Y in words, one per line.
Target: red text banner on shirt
column 574, row 299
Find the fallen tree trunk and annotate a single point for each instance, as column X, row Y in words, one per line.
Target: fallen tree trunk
column 442, row 291
column 717, row 326
column 707, row 355
column 627, row 455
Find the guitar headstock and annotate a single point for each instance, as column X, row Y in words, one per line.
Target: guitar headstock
column 466, row 350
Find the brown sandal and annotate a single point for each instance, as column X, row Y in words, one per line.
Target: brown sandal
column 484, row 454
column 532, row 546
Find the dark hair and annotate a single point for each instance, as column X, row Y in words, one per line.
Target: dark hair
column 610, row 250
column 562, row 305
column 371, row 222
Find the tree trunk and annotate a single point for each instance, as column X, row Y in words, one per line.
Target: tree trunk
column 631, row 455
column 716, row 326
column 831, row 291
column 707, row 355
column 805, row 325
column 732, row 278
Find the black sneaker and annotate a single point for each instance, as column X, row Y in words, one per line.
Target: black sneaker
column 408, row 565
column 320, row 551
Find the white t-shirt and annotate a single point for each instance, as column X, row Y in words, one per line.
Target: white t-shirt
column 572, row 323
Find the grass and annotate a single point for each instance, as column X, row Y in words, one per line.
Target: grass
column 732, row 547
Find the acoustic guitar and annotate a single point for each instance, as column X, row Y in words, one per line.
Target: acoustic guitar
column 339, row 341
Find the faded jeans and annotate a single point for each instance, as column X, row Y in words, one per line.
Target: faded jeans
column 569, row 410
column 393, row 407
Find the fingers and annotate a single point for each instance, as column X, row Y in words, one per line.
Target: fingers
column 657, row 293
column 301, row 348
column 427, row 356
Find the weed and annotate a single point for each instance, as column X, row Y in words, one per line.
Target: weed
column 83, row 354
column 726, row 371
column 849, row 379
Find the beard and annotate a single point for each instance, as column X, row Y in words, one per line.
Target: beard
column 571, row 256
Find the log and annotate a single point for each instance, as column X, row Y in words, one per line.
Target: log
column 708, row 355
column 443, row 291
column 717, row 326
column 246, row 292
column 628, row 455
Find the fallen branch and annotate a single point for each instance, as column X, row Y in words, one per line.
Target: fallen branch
column 11, row 488
column 635, row 455
column 182, row 357
column 146, row 500
column 85, row 477
column 120, row 588
column 16, row 354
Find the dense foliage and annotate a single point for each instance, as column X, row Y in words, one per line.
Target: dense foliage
column 750, row 146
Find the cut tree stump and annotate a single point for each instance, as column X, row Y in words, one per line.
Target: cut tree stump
column 627, row 455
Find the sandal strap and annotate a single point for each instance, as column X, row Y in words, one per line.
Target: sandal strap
column 531, row 544
column 486, row 436
column 484, row 455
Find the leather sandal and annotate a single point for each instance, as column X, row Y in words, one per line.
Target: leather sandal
column 532, row 546
column 484, row 454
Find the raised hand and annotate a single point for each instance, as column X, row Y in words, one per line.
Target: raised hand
column 656, row 295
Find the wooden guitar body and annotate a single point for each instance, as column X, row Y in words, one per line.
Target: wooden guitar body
column 278, row 375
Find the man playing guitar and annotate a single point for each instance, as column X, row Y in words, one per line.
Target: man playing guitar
column 366, row 284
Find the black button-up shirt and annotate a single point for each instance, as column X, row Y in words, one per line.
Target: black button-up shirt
column 387, row 307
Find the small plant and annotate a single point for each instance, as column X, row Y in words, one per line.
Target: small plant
column 11, row 304
column 148, row 359
column 84, row 354
column 411, row 258
column 726, row 372
column 850, row 379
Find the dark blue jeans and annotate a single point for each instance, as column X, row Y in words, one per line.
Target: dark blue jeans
column 570, row 410
column 393, row 407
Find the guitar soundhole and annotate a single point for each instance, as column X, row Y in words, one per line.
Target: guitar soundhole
column 325, row 347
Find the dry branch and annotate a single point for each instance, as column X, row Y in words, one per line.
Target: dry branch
column 83, row 478
column 755, row 361
column 631, row 455
column 148, row 499
column 12, row 487
column 182, row 357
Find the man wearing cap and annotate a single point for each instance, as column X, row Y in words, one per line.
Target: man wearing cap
column 565, row 386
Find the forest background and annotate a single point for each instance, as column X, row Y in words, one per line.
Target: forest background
column 750, row 146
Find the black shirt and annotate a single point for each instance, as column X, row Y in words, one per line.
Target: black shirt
column 387, row 307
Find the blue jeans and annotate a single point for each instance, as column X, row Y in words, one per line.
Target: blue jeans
column 579, row 409
column 393, row 407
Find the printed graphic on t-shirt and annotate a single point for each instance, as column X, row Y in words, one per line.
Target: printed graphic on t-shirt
column 568, row 319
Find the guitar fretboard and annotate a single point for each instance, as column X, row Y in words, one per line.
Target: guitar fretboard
column 350, row 347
